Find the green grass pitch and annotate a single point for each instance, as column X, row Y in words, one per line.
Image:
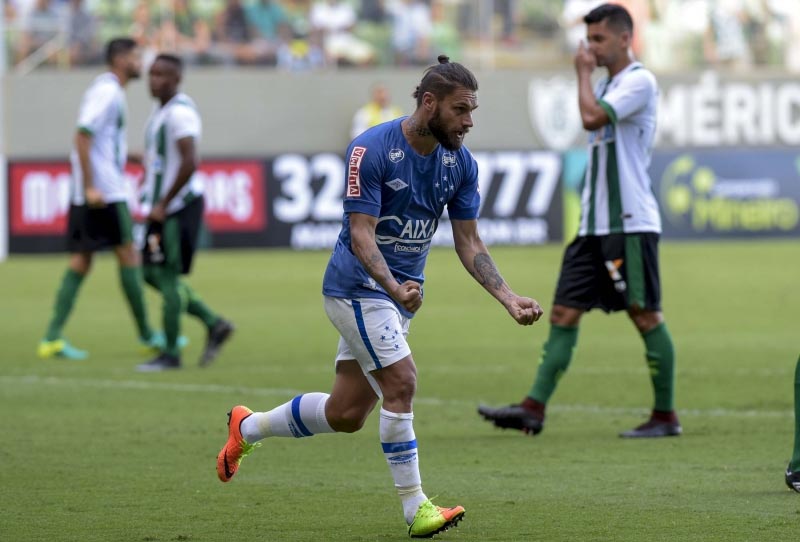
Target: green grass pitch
column 92, row 451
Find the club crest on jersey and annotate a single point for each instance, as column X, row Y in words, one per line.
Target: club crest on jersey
column 448, row 159
column 353, row 169
column 395, row 155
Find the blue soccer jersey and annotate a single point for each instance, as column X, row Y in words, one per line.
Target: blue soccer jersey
column 387, row 179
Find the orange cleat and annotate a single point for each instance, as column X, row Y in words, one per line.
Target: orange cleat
column 236, row 448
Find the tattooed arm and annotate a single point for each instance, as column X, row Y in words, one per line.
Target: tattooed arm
column 363, row 245
column 476, row 259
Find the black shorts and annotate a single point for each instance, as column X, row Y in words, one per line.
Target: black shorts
column 611, row 272
column 93, row 228
column 173, row 243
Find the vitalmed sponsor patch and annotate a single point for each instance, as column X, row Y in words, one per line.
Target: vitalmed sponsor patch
column 353, row 168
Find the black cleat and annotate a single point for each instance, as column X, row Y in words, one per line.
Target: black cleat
column 653, row 428
column 217, row 336
column 513, row 417
column 793, row 480
column 162, row 362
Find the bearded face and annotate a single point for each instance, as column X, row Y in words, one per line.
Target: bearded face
column 449, row 137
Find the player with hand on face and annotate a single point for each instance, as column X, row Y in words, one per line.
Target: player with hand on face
column 613, row 262
column 400, row 177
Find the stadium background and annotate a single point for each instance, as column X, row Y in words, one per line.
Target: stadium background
column 725, row 71
column 94, row 452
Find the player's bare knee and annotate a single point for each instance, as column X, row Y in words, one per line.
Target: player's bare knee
column 127, row 255
column 81, row 262
column 645, row 320
column 565, row 316
column 399, row 391
column 348, row 421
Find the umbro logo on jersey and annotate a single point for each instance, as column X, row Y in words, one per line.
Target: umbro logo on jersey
column 397, row 184
column 448, row 159
column 395, row 155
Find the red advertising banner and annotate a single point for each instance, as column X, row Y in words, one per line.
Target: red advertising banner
column 234, row 195
column 40, row 193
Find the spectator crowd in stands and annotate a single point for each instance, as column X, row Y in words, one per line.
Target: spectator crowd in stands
column 301, row 35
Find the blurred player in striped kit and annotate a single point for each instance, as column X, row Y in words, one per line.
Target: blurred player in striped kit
column 175, row 198
column 99, row 215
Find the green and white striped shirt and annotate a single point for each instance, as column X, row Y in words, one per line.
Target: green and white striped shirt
column 102, row 115
column 617, row 194
column 176, row 120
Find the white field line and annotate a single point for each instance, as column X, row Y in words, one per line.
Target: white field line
column 108, row 384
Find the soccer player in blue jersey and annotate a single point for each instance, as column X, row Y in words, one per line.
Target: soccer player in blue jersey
column 400, row 177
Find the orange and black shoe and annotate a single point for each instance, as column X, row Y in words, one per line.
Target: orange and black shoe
column 236, row 448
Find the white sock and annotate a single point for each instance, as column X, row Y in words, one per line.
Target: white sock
column 303, row 416
column 400, row 449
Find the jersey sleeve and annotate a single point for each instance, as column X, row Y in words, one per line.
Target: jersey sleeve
column 364, row 171
column 632, row 94
column 184, row 122
column 95, row 107
column 466, row 202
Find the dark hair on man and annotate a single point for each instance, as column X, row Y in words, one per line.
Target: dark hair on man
column 443, row 78
column 617, row 16
column 118, row 46
column 172, row 59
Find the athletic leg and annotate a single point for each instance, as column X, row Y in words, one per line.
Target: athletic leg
column 660, row 356
column 130, row 275
column 80, row 264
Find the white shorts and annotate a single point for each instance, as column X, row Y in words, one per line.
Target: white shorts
column 373, row 332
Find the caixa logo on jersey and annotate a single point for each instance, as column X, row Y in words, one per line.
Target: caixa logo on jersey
column 411, row 235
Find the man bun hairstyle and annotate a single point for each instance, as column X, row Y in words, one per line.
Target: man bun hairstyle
column 119, row 46
column 443, row 78
column 617, row 16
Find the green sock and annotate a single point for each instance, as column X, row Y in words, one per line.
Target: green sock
column 173, row 307
column 196, row 307
column 65, row 299
column 131, row 279
column 556, row 355
column 794, row 466
column 661, row 360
